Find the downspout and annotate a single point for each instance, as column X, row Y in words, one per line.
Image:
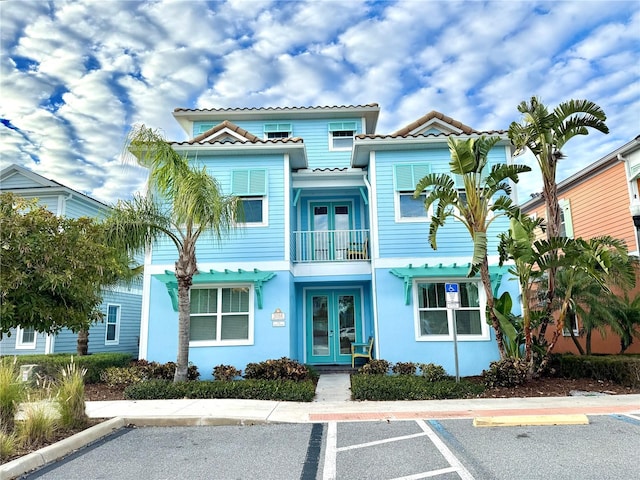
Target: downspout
column 374, row 291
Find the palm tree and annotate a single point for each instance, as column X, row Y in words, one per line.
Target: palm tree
column 545, row 133
column 626, row 320
column 189, row 202
column 476, row 208
column 602, row 260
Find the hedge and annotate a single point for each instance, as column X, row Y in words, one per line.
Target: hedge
column 51, row 365
column 622, row 369
column 282, row 390
column 409, row 387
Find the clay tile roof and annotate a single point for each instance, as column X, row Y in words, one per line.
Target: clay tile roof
column 221, row 126
column 430, row 116
column 267, row 109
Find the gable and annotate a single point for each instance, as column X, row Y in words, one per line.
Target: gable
column 16, row 177
column 434, row 123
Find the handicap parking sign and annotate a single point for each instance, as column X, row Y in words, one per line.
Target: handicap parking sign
column 452, row 295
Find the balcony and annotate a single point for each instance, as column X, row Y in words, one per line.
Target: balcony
column 330, row 246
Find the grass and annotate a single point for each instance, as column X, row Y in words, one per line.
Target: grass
column 70, row 397
column 38, row 426
column 12, row 392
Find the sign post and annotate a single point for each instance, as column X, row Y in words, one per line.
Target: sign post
column 452, row 297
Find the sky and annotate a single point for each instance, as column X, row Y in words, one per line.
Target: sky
column 76, row 75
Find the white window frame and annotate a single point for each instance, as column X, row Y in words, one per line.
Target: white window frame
column 265, row 211
column 219, row 314
column 116, row 340
column 344, row 128
column 484, row 327
column 576, row 330
column 398, row 212
column 21, row 344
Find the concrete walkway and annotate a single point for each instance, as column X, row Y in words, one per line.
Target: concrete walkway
column 332, row 403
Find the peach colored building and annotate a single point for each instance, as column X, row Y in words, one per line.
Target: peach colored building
column 601, row 199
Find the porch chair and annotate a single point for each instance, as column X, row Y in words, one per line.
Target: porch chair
column 361, row 350
column 358, row 251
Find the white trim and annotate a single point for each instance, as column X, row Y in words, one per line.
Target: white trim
column 205, row 266
column 20, row 345
column 265, row 211
column 482, row 301
column 116, row 340
column 49, row 344
column 287, row 209
column 223, row 133
column 146, row 305
column 396, row 207
column 375, row 251
column 341, row 149
column 251, row 313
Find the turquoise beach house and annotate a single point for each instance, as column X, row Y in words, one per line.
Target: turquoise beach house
column 333, row 250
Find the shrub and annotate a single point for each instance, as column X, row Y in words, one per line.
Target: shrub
column 114, row 376
column 622, row 369
column 50, row 365
column 38, row 426
column 70, row 397
column 281, row 369
column 226, row 373
column 508, row 372
column 404, row 368
column 8, row 445
column 375, row 367
column 12, row 392
column 163, row 371
column 281, row 390
column 433, row 372
column 410, row 387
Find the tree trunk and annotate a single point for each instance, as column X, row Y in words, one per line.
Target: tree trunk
column 573, row 335
column 185, row 269
column 486, row 282
column 82, row 346
column 588, row 342
column 550, row 194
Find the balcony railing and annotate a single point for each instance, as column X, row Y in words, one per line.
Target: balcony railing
column 330, row 246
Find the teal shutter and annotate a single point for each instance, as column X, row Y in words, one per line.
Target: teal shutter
column 277, row 127
column 342, row 126
column 408, row 175
column 249, row 182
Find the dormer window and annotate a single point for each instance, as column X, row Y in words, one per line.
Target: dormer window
column 274, row 131
column 341, row 135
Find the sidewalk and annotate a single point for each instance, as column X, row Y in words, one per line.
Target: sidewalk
column 332, row 403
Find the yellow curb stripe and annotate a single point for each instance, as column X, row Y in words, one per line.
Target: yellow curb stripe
column 528, row 420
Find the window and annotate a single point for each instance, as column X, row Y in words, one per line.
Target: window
column 112, row 333
column 406, row 178
column 566, row 223
column 25, row 339
column 221, row 316
column 251, row 187
column 435, row 322
column 572, row 319
column 274, row 131
column 341, row 135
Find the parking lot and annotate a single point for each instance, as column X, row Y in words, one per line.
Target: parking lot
column 442, row 449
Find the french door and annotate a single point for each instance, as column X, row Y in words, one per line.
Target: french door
column 331, row 223
column 332, row 324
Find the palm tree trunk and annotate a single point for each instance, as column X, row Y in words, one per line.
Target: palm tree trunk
column 550, row 193
column 588, row 341
column 185, row 269
column 574, row 338
column 486, row 282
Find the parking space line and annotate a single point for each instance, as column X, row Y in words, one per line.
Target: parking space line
column 329, row 468
column 444, row 450
column 380, row 442
column 432, row 473
column 632, row 419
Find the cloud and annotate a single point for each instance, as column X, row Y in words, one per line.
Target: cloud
column 76, row 74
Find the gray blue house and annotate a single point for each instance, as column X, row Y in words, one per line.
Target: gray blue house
column 333, row 250
column 121, row 307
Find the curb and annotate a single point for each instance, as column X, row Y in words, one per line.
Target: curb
column 58, row 450
column 530, row 420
